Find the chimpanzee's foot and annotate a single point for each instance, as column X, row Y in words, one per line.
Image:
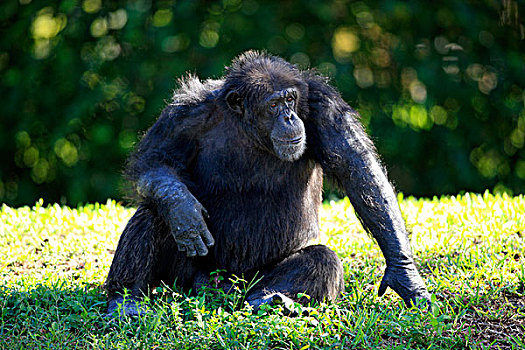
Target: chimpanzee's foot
column 288, row 305
column 128, row 306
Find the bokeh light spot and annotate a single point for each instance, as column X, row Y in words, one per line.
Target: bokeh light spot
column 301, row 60
column 418, row 91
column 438, row 115
column 118, row 19
column 46, row 26
column 99, row 27
column 209, row 38
column 363, row 77
column 488, row 82
column 295, row 31
column 344, row 43
column 22, row 139
column 162, row 17
column 66, row 151
column 40, row 171
column 91, row 6
column 176, row 43
column 31, row 157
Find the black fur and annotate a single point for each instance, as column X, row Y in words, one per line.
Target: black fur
column 252, row 170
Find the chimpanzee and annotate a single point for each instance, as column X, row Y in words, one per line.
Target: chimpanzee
column 230, row 177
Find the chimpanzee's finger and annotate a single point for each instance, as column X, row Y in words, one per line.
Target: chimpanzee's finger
column 201, row 248
column 208, row 238
column 190, row 250
column 206, row 235
column 382, row 286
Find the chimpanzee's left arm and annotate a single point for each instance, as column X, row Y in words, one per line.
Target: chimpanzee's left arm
column 341, row 146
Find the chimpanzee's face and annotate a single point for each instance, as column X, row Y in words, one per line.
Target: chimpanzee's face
column 270, row 115
column 286, row 130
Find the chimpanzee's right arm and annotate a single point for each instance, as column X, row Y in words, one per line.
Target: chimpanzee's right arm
column 156, row 170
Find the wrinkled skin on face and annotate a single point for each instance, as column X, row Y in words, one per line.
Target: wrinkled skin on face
column 278, row 126
column 287, row 134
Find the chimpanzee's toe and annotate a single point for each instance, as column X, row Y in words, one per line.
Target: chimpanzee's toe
column 120, row 307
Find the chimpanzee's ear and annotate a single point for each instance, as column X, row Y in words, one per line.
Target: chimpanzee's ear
column 234, row 101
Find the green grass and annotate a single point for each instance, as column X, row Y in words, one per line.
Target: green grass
column 470, row 250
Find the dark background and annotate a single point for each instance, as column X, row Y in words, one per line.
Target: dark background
column 439, row 85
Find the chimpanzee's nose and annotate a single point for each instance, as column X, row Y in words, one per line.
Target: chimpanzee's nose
column 290, row 116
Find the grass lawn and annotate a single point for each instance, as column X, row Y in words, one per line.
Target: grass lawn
column 470, row 250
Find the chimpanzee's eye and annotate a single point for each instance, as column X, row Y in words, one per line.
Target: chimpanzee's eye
column 273, row 105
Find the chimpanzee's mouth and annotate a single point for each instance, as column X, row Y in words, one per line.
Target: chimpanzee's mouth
column 289, row 149
column 294, row 141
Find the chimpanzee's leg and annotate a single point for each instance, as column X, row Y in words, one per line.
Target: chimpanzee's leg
column 314, row 270
column 146, row 255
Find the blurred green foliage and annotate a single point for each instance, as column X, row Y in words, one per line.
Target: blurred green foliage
column 439, row 85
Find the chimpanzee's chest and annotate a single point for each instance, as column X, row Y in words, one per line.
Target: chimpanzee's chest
column 261, row 208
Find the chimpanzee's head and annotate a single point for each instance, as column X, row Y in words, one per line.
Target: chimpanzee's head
column 269, row 96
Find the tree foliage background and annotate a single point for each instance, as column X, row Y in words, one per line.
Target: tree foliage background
column 439, row 85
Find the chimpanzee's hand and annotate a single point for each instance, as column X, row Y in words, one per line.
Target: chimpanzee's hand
column 407, row 282
column 186, row 221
